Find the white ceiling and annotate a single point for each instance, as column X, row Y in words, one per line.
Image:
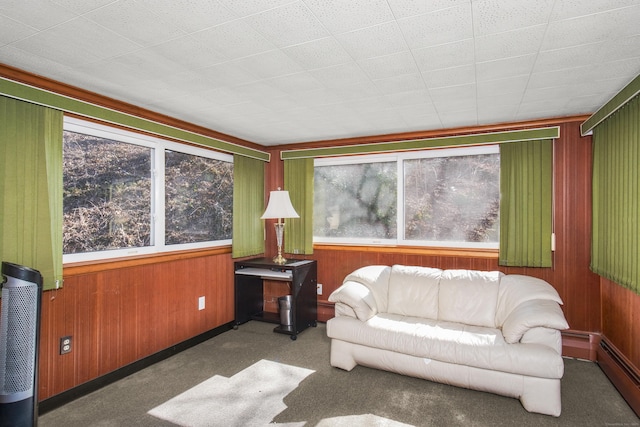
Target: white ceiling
column 283, row 71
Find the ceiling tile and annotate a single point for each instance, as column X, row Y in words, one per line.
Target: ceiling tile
column 124, row 18
column 399, row 84
column 258, row 91
column 514, row 86
column 618, row 23
column 439, row 27
column 451, row 76
column 296, row 83
column 497, row 16
column 566, row 9
column 388, row 66
column 227, row 74
column 41, row 16
column 269, row 64
column 82, row 6
column 250, row 7
column 189, row 52
column 569, row 57
column 340, row 16
column 460, row 118
column 409, row 98
column 288, row 25
column 190, row 15
column 445, row 56
column 234, row 40
column 340, row 75
column 624, row 48
column 455, row 97
column 11, row 30
column 504, row 68
column 62, row 44
column 379, row 40
column 318, row 53
column 406, row 8
column 511, row 43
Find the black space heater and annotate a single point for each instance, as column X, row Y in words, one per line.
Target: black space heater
column 19, row 342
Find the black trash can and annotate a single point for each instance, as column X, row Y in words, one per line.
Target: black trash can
column 284, row 302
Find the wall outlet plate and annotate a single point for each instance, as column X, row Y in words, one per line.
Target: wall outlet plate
column 65, row 345
column 319, row 288
column 201, row 303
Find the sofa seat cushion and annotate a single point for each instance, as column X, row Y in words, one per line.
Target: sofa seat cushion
column 450, row 342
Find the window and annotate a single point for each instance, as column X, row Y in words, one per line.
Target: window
column 447, row 197
column 127, row 193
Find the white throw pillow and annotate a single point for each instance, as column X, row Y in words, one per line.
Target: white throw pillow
column 532, row 314
column 413, row 291
column 469, row 297
column 516, row 289
column 358, row 297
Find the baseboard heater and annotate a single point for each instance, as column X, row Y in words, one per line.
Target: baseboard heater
column 621, row 372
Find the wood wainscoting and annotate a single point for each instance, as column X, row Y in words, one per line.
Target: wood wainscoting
column 123, row 311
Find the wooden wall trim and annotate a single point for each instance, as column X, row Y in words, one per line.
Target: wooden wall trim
column 74, row 269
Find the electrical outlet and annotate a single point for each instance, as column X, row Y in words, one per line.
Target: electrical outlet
column 319, row 288
column 65, row 345
column 201, row 303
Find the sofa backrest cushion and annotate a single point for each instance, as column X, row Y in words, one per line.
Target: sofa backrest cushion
column 516, row 289
column 469, row 297
column 376, row 278
column 413, row 291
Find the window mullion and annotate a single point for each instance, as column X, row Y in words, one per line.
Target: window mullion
column 158, row 201
column 400, row 201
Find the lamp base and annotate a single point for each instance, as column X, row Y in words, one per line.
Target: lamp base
column 279, row 259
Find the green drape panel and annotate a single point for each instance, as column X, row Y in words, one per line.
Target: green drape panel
column 248, row 205
column 526, row 218
column 615, row 246
column 31, row 187
column 298, row 180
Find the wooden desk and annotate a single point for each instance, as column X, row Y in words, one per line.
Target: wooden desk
column 249, row 292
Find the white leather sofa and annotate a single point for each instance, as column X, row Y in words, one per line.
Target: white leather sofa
column 475, row 329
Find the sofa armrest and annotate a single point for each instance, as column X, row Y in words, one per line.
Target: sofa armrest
column 543, row 336
column 356, row 296
column 533, row 314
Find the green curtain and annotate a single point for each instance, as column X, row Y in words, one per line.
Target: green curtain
column 615, row 246
column 526, row 217
column 298, row 180
column 31, row 187
column 248, row 205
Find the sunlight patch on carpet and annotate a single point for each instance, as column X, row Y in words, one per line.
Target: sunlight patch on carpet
column 366, row 420
column 252, row 397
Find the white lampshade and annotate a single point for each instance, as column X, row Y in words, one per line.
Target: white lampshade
column 279, row 206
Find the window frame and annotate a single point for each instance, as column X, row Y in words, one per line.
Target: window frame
column 399, row 157
column 158, row 146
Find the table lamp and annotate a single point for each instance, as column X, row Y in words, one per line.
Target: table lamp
column 279, row 207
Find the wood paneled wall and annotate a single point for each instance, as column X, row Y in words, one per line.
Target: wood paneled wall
column 620, row 321
column 118, row 313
